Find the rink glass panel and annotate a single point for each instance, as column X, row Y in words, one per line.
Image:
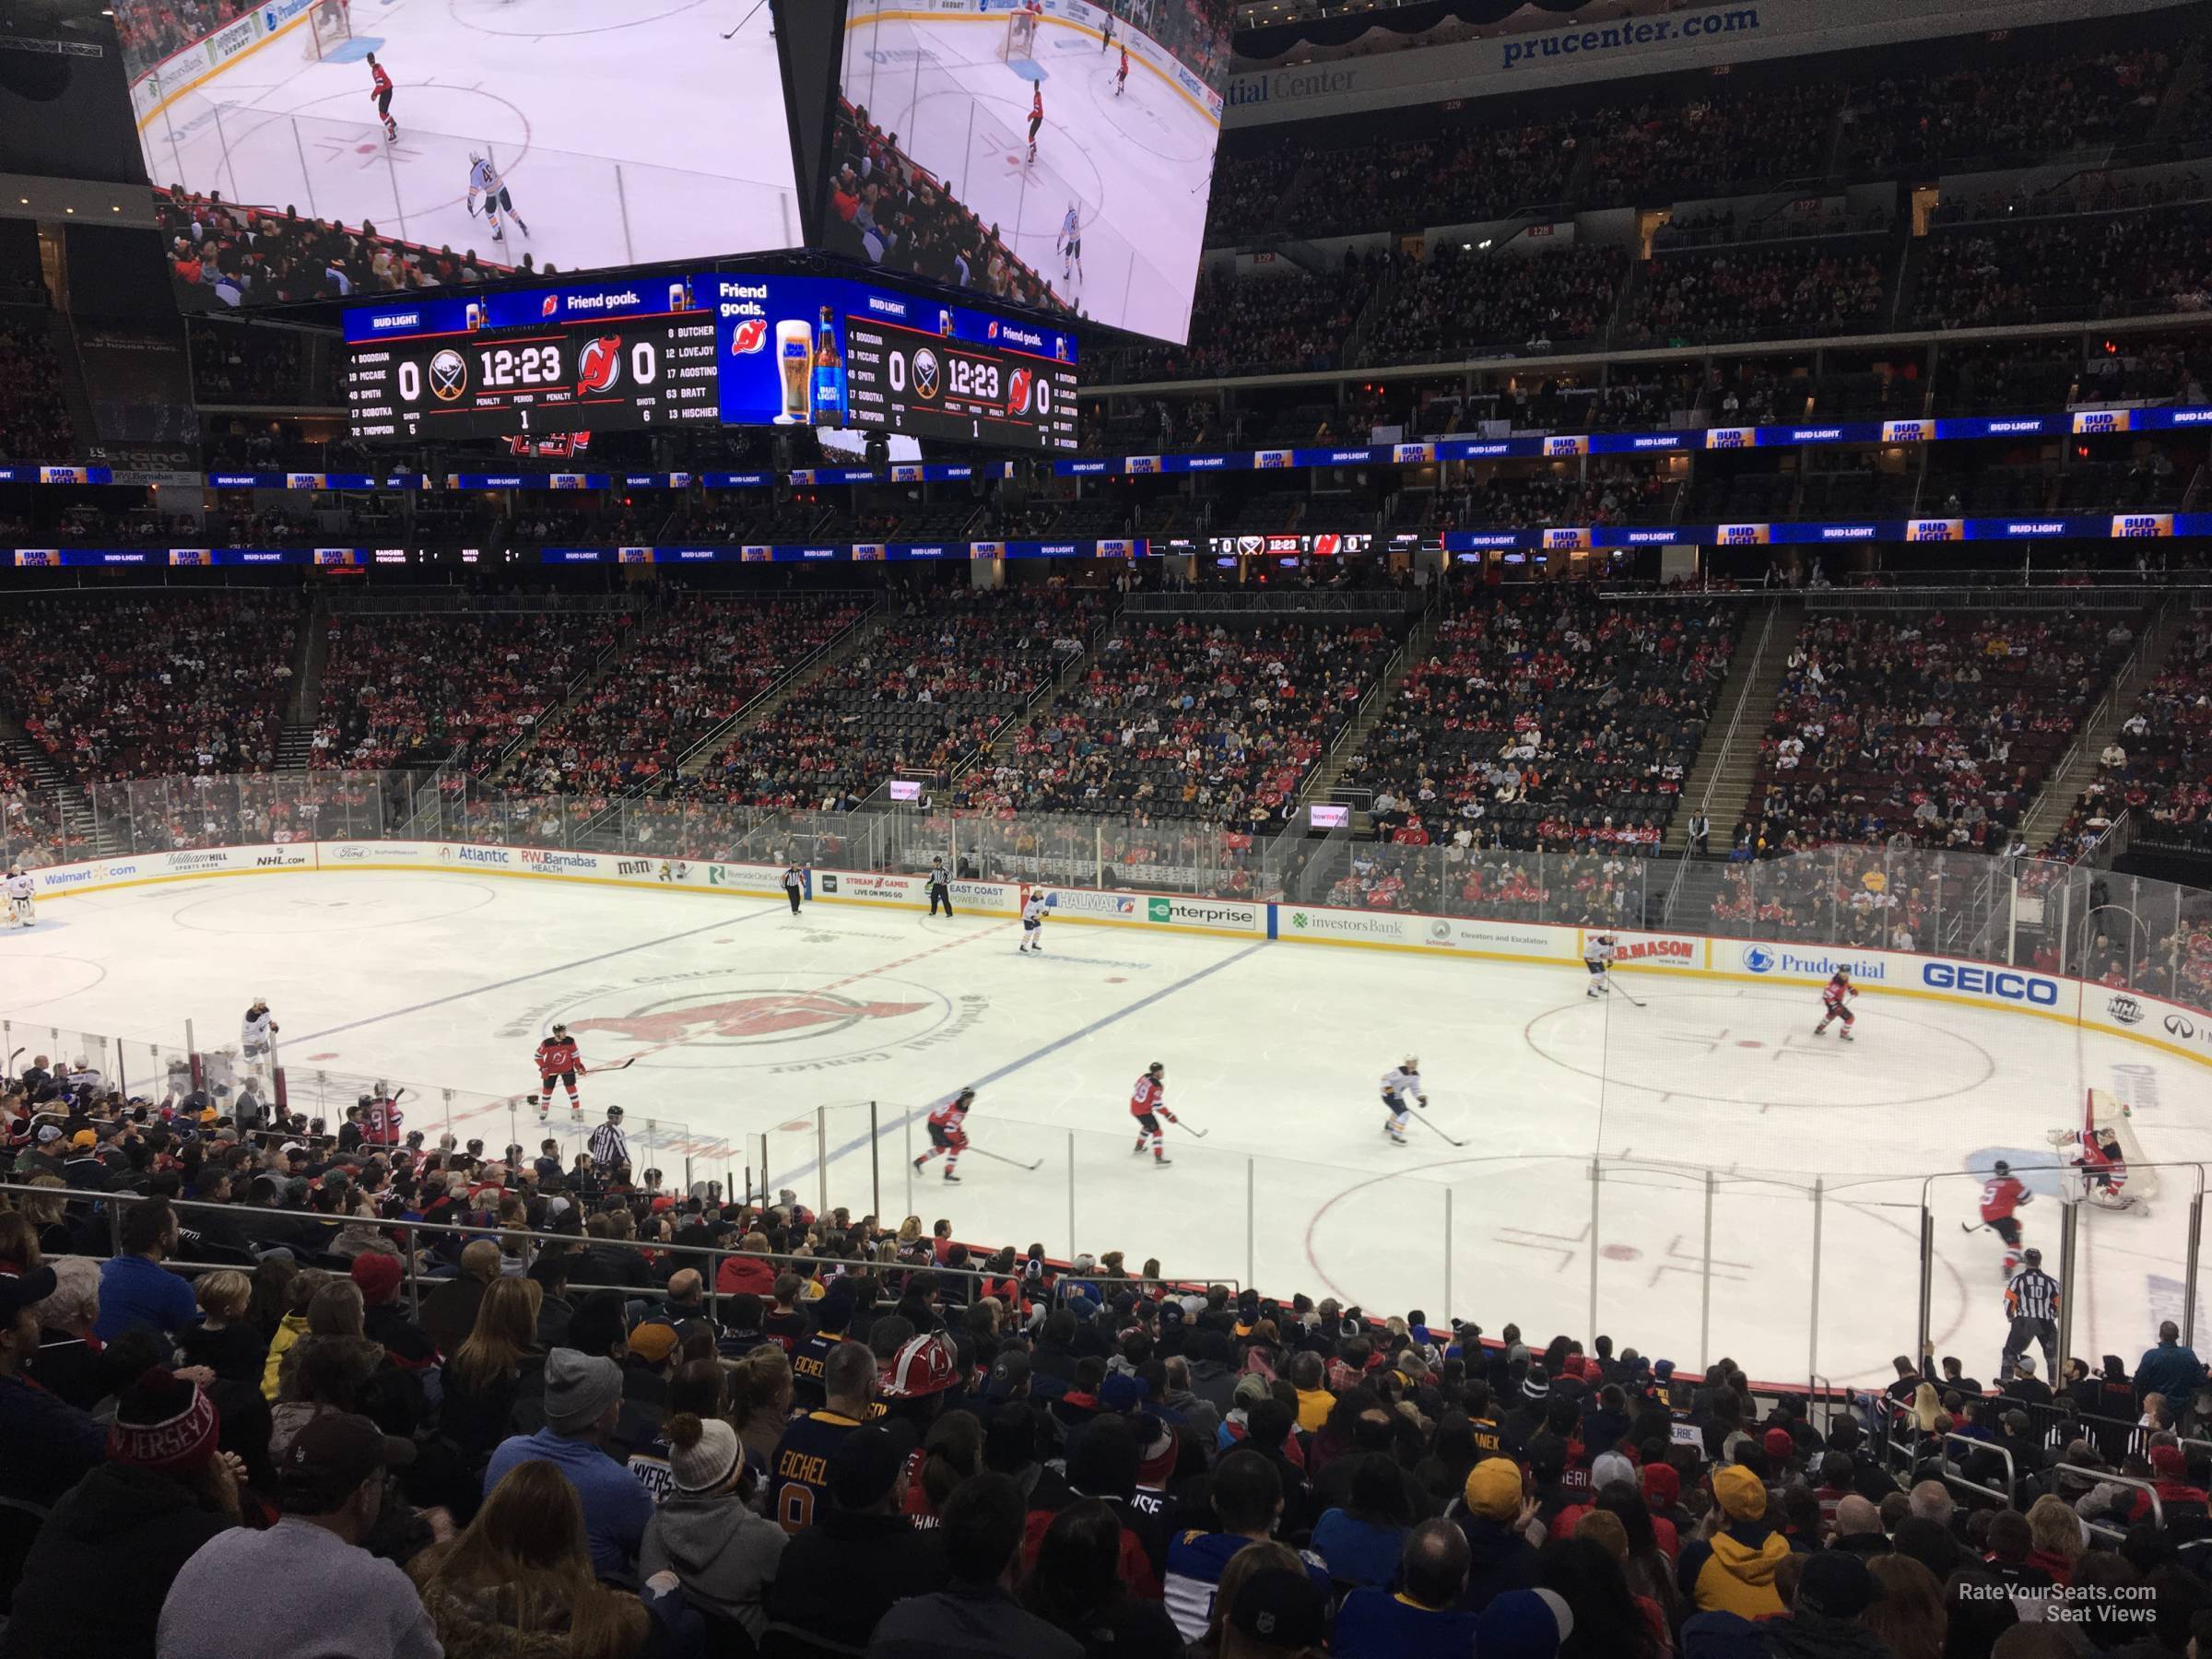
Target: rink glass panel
column 2123, row 934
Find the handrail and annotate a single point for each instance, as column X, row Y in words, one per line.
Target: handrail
column 2011, row 1468
column 2097, row 1477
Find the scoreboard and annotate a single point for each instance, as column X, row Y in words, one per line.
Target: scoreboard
column 612, row 374
column 740, row 350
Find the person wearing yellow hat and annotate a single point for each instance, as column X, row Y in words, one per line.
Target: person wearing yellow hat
column 1732, row 1571
column 1494, row 1511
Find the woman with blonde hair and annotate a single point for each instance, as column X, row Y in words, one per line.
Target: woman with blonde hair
column 760, row 1405
column 2056, row 1538
column 484, row 1376
column 519, row 1581
column 1908, row 1613
column 1926, row 1408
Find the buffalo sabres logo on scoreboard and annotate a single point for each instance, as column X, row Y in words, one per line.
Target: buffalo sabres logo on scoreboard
column 926, row 372
column 449, row 375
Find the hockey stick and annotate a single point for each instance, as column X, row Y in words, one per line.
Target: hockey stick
column 1002, row 1158
column 743, row 20
column 1417, row 1115
column 612, row 1065
column 1192, row 1128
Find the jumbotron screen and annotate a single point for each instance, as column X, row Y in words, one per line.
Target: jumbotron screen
column 1055, row 153
column 583, row 135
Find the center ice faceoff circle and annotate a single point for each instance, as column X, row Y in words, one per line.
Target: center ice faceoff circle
column 713, row 1018
column 1756, row 1048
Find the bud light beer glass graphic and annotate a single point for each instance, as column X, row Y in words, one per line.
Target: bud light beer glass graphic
column 794, row 363
column 679, row 296
column 828, row 372
column 476, row 316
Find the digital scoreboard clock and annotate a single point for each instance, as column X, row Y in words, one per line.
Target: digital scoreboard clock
column 929, row 384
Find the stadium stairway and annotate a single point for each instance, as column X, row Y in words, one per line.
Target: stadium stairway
column 1721, row 779
column 1322, row 781
column 295, row 743
column 704, row 754
column 2078, row 765
column 45, row 777
column 1070, row 673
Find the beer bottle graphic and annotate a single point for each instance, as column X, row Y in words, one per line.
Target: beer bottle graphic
column 828, row 372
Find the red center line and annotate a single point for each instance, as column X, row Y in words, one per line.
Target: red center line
column 511, row 1101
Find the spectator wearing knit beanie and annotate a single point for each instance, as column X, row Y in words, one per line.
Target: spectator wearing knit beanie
column 99, row 1569
column 705, row 1531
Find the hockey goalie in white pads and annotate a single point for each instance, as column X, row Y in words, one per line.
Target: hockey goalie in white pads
column 21, row 900
column 2096, row 1153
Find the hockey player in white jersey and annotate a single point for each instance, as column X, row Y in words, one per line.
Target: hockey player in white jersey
column 1597, row 956
column 484, row 179
column 257, row 1030
column 1032, row 923
column 1071, row 243
column 21, row 900
column 1402, row 1091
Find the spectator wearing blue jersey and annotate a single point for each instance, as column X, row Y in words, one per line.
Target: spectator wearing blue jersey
column 1422, row 1618
column 1247, row 1497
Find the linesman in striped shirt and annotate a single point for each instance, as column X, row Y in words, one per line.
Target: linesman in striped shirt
column 2031, row 1304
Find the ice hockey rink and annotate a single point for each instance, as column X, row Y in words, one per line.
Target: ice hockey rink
column 1137, row 167
column 743, row 1020
column 625, row 134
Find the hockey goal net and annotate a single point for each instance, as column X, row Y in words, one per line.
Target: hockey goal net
column 2107, row 1115
column 329, row 27
column 1020, row 41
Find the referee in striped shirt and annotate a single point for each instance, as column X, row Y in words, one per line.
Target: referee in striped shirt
column 2031, row 1304
column 609, row 1147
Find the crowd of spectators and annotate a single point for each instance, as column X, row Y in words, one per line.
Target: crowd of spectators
column 446, row 689
column 1659, row 152
column 241, row 365
column 1466, row 302
column 2043, row 270
column 893, row 210
column 1284, row 322
column 1766, row 291
column 1177, row 720
column 1938, row 727
column 142, row 688
column 34, row 415
column 688, row 667
column 1544, row 719
column 153, row 29
column 1462, row 178
column 2157, row 766
column 256, row 1384
column 927, row 689
column 229, row 256
column 2006, row 112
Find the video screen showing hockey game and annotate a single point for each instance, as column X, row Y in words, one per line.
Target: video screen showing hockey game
column 1057, row 153
column 567, row 133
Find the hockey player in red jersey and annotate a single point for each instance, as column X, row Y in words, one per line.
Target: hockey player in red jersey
column 2103, row 1169
column 379, row 90
column 1835, row 997
column 1148, row 1105
column 1121, row 80
column 945, row 1134
column 1036, row 116
column 557, row 1061
column 2002, row 1195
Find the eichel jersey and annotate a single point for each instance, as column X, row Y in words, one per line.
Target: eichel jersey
column 798, row 1484
column 1398, row 1084
column 809, row 1367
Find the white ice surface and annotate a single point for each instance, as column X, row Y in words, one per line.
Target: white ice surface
column 745, row 1020
column 1139, row 165
column 626, row 133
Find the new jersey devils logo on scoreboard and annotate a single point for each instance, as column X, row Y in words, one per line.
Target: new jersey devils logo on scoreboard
column 599, row 365
column 750, row 336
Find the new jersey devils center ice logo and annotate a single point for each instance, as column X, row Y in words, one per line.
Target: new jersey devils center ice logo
column 599, row 365
column 767, row 1017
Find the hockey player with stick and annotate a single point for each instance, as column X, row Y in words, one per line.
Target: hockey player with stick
column 1834, row 997
column 379, row 92
column 1399, row 1087
column 1148, row 1105
column 1033, row 911
column 2103, row 1168
column 1597, row 956
column 484, row 179
column 257, row 1031
column 21, row 894
column 2002, row 1195
column 557, row 1061
column 945, row 1134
